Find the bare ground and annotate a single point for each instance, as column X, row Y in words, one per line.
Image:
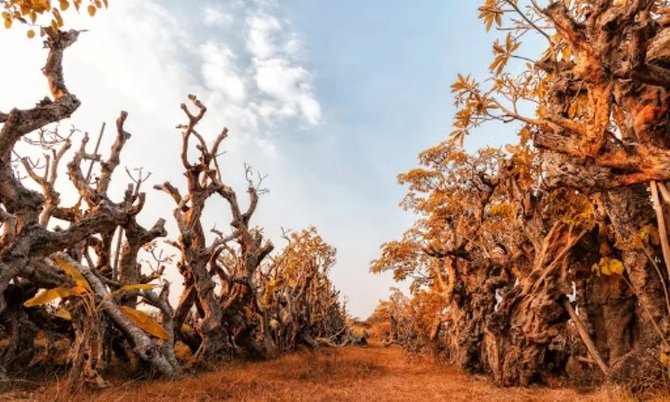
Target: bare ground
column 347, row 374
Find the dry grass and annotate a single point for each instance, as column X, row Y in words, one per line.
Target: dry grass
column 348, row 374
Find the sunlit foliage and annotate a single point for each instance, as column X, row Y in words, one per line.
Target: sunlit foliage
column 533, row 250
column 36, row 14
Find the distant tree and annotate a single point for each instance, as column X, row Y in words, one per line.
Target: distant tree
column 300, row 297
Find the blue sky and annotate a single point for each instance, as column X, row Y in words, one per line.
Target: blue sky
column 331, row 98
column 383, row 71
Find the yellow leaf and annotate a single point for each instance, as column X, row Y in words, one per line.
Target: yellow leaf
column 512, row 149
column 64, row 5
column 145, row 323
column 64, row 314
column 608, row 266
column 91, row 10
column 72, row 271
column 616, row 266
column 269, row 290
column 80, row 290
column 138, row 286
column 41, row 5
column 48, row 296
column 601, row 267
column 130, row 288
column 58, row 17
column 8, row 23
column 649, row 235
column 664, row 359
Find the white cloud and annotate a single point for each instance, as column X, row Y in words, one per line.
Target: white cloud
column 214, row 16
column 245, row 65
column 287, row 84
column 220, row 72
column 288, row 87
column 263, row 32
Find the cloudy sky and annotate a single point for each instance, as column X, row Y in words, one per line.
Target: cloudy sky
column 332, row 99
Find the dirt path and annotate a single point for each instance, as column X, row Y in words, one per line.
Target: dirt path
column 348, row 374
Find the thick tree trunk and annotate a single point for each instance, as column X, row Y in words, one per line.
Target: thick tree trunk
column 526, row 336
column 629, row 211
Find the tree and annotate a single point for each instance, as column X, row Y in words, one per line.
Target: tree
column 87, row 279
column 37, row 255
column 301, row 300
column 566, row 211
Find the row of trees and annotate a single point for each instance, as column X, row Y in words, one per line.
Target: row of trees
column 82, row 286
column 550, row 258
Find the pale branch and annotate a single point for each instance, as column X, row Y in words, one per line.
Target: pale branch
column 146, row 348
column 214, row 151
column 586, row 338
column 193, row 120
column 513, row 4
column 95, row 150
column 661, row 223
column 48, row 180
column 112, row 163
column 139, row 179
column 172, row 191
column 117, row 253
column 76, row 176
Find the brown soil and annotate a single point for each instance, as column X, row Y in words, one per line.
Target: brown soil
column 348, row 374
